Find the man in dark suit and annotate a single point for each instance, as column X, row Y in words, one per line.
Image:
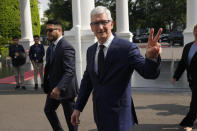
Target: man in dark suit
column 188, row 62
column 60, row 82
column 110, row 64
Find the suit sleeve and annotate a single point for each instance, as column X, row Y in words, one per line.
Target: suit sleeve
column 46, row 87
column 85, row 89
column 147, row 68
column 48, row 54
column 11, row 52
column 68, row 66
column 181, row 66
column 30, row 54
column 22, row 49
column 43, row 52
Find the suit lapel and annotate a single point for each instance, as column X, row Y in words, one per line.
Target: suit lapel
column 186, row 55
column 56, row 49
column 50, row 57
column 109, row 56
column 93, row 54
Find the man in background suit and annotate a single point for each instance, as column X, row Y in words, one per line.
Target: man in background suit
column 36, row 54
column 60, row 82
column 188, row 62
column 17, row 53
column 110, row 65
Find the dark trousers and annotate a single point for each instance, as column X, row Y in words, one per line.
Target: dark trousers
column 191, row 115
column 50, row 111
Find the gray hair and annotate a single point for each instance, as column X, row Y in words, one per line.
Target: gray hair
column 101, row 10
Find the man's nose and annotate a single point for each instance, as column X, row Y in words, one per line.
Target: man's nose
column 100, row 26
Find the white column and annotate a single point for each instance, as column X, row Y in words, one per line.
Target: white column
column 86, row 8
column 191, row 20
column 122, row 19
column 76, row 9
column 86, row 36
column 26, row 25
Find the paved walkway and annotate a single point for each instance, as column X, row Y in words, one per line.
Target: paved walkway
column 23, row 111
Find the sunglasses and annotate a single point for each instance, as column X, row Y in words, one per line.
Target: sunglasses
column 51, row 29
column 103, row 23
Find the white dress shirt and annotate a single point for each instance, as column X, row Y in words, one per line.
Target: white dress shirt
column 55, row 42
column 106, row 44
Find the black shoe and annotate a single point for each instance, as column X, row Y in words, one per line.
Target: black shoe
column 23, row 87
column 36, row 86
column 188, row 121
column 17, row 87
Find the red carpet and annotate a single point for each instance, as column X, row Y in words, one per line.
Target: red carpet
column 11, row 80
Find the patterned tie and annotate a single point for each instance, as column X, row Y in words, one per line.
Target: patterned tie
column 100, row 59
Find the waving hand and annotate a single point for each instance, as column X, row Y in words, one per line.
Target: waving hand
column 153, row 48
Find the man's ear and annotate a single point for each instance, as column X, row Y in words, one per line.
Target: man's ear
column 112, row 24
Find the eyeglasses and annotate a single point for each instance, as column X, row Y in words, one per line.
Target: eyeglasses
column 103, row 23
column 51, row 29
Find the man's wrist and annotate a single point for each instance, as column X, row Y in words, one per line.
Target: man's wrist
column 151, row 57
column 58, row 89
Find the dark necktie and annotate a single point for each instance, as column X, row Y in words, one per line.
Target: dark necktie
column 100, row 59
column 52, row 51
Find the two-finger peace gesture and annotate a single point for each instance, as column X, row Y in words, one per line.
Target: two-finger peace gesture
column 153, row 48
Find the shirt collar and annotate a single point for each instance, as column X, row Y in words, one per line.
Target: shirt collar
column 108, row 42
column 55, row 43
column 37, row 44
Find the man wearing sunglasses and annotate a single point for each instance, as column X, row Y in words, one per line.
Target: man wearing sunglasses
column 60, row 82
column 110, row 65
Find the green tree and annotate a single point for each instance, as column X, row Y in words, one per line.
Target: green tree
column 35, row 17
column 174, row 13
column 62, row 11
column 143, row 14
column 158, row 13
column 10, row 19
